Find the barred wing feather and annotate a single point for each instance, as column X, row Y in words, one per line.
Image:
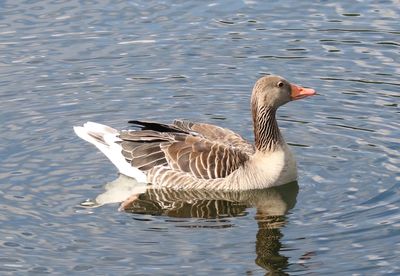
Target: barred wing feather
column 204, row 152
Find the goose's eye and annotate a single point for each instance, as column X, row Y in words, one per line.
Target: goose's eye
column 280, row 84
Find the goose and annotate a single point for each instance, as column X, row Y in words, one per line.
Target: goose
column 187, row 155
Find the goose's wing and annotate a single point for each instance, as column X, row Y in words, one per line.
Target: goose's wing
column 210, row 132
column 173, row 146
column 216, row 133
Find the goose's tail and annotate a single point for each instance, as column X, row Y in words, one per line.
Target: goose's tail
column 106, row 140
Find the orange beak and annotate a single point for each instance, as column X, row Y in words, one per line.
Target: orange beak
column 299, row 92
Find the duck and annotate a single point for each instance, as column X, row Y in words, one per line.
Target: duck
column 186, row 155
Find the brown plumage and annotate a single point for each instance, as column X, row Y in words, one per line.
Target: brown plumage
column 188, row 155
column 205, row 151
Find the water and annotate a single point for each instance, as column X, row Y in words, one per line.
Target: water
column 66, row 62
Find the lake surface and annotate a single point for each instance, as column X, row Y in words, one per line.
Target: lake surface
column 63, row 63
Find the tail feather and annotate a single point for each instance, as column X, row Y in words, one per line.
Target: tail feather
column 105, row 139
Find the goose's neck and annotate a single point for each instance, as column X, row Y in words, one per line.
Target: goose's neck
column 267, row 136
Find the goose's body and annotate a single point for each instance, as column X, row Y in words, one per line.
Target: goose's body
column 187, row 155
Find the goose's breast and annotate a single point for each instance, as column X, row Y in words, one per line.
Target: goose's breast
column 275, row 168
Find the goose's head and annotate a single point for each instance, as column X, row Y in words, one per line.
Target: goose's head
column 273, row 91
column 269, row 93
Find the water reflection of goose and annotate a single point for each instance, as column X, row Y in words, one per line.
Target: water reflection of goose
column 187, row 155
column 271, row 206
column 274, row 201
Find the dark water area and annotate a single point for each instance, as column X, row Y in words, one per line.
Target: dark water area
column 63, row 63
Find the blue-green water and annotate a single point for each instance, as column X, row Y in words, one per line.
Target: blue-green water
column 66, row 62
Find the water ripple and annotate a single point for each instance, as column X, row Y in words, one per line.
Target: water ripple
column 66, row 62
